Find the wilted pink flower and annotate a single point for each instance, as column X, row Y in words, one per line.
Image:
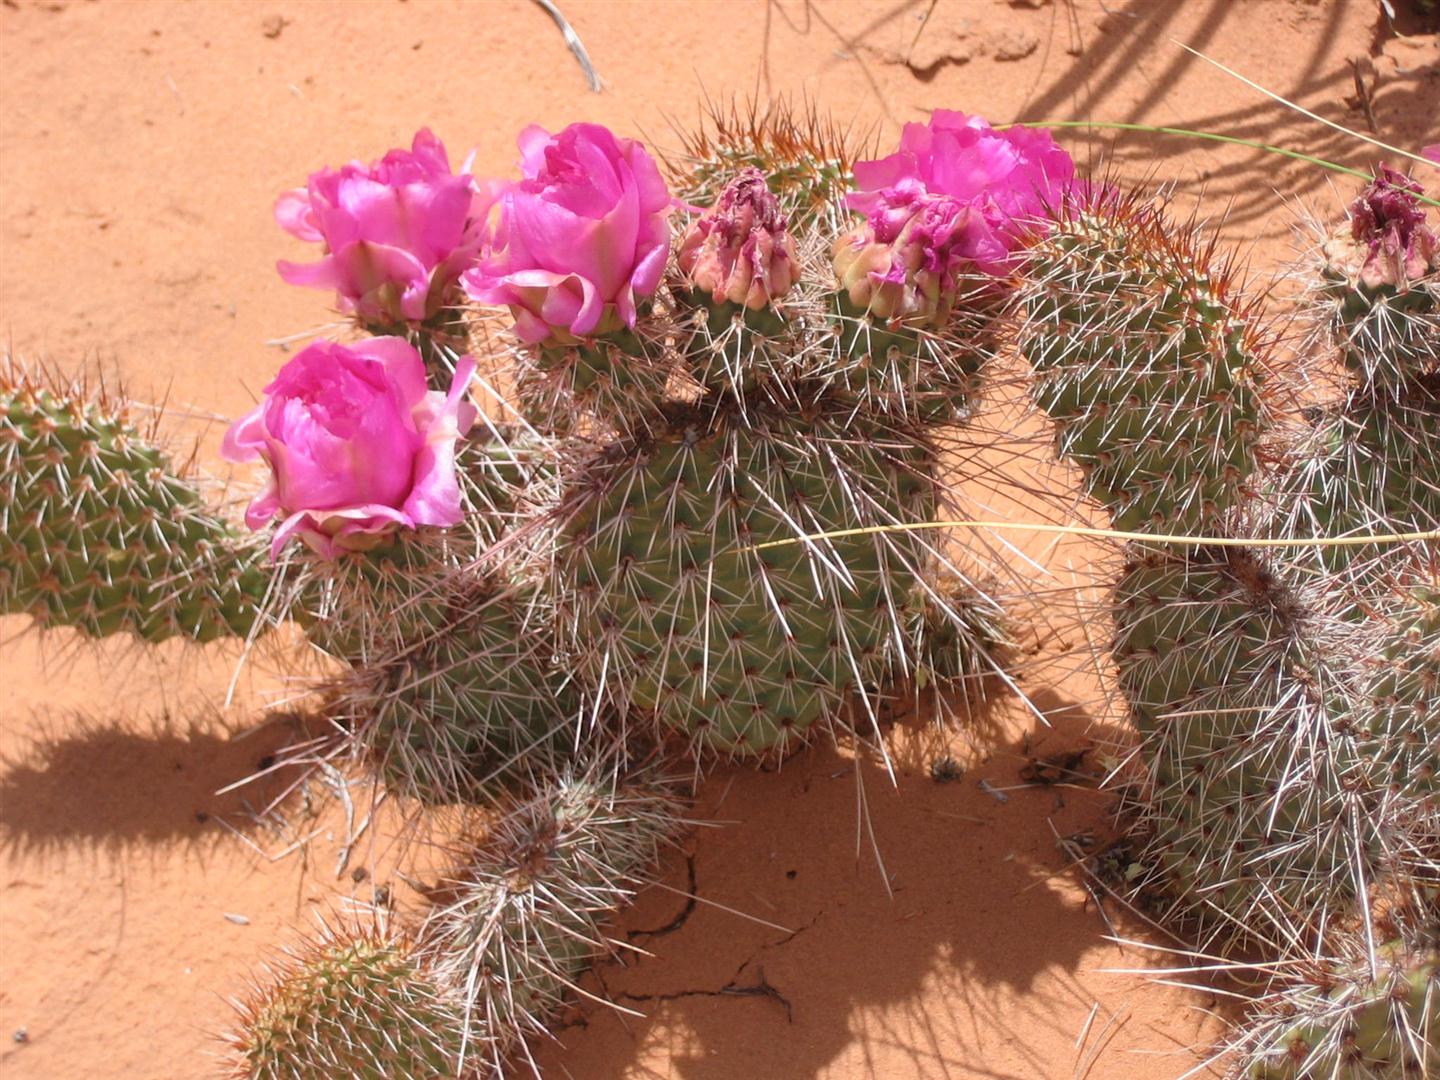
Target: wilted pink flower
column 579, row 238
column 911, row 259
column 1432, row 152
column 1010, row 178
column 740, row 249
column 356, row 444
column 397, row 233
column 1386, row 241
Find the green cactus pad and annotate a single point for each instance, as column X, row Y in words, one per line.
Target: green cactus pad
column 358, row 1007
column 99, row 530
column 1371, row 467
column 677, row 614
column 460, row 714
column 1386, row 334
column 1150, row 364
column 1355, row 1021
column 1274, row 787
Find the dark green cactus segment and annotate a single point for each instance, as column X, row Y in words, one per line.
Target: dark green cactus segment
column 1357, row 1020
column 467, row 712
column 1148, row 362
column 524, row 916
column 361, row 1007
column 99, row 530
column 921, row 374
column 1264, row 799
column 744, row 650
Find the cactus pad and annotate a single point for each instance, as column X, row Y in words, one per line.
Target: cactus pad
column 100, row 531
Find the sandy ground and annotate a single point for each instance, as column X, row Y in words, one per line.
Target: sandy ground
column 141, row 145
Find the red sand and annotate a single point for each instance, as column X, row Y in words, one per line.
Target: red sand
column 142, row 147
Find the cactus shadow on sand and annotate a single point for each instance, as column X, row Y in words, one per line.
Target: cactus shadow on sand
column 117, row 785
column 984, row 950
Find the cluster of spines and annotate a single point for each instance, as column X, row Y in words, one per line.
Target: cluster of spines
column 806, row 155
column 523, row 916
column 1373, row 1014
column 456, row 715
column 100, row 531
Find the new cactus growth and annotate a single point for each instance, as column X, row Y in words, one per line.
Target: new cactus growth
column 99, row 530
column 352, row 1004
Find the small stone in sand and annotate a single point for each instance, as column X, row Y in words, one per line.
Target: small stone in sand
column 238, row 920
column 272, row 25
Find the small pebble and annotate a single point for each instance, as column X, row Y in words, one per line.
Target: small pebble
column 22, row 1035
column 238, row 920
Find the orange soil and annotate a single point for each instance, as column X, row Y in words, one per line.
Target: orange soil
column 142, row 147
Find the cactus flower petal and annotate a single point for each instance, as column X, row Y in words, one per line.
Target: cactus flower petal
column 740, row 250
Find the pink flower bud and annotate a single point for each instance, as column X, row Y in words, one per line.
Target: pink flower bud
column 740, row 250
column 357, row 446
column 1386, row 241
column 397, row 233
column 911, row 259
column 580, row 237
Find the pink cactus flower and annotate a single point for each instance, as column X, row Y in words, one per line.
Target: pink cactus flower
column 1432, row 152
column 397, row 234
column 1014, row 179
column 1386, row 241
column 357, row 446
column 580, row 237
column 740, row 250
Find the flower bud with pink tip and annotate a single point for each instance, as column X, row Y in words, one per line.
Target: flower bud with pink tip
column 358, row 447
column 914, row 257
column 396, row 233
column 741, row 250
column 580, row 238
column 1386, row 241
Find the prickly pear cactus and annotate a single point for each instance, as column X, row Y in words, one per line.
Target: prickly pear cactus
column 99, row 530
column 1266, row 790
column 1270, row 796
column 357, row 1005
